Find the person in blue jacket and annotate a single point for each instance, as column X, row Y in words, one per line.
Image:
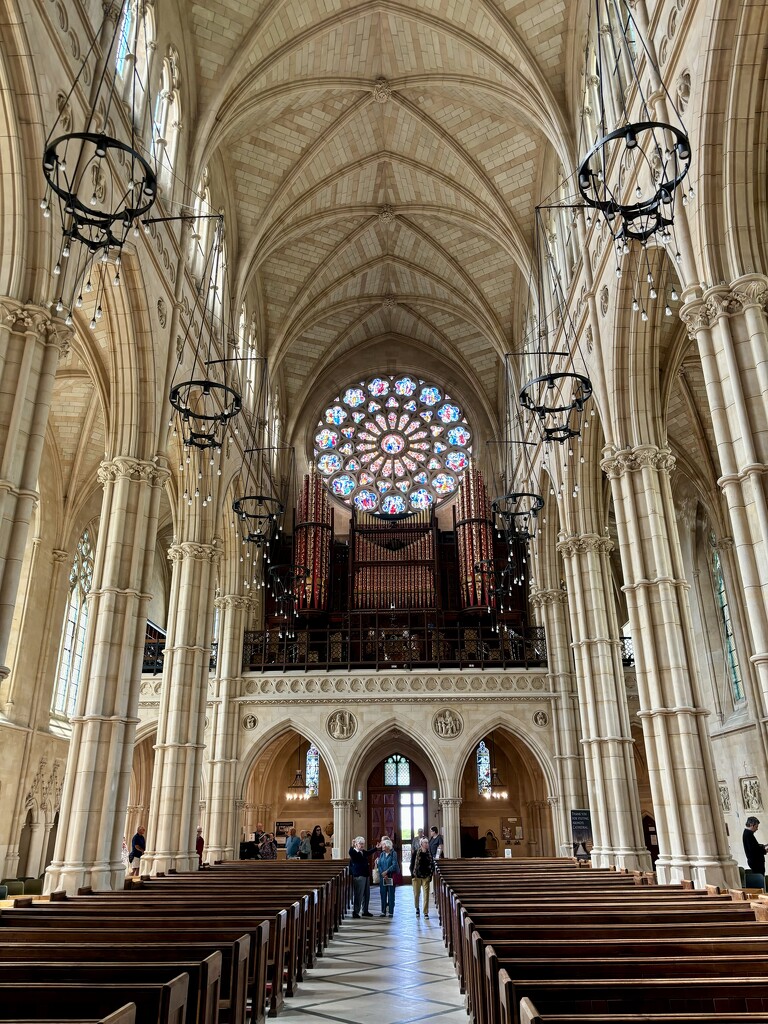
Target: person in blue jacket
column 388, row 866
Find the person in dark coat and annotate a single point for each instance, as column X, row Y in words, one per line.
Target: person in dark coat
column 360, row 870
column 199, row 847
column 138, row 846
column 317, row 842
column 754, row 850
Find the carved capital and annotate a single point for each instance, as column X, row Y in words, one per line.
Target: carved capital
column 450, row 801
column 546, row 598
column 233, row 601
column 124, row 467
column 586, row 542
column 188, row 549
column 634, row 460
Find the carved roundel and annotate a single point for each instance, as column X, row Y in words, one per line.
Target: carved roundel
column 447, row 723
column 249, row 722
column 341, row 724
column 541, row 718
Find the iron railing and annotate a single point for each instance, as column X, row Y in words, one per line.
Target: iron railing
column 154, row 656
column 380, row 647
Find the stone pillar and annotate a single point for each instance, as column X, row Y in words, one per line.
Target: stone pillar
column 692, row 839
column 449, row 805
column 98, row 772
column 177, row 779
column 222, row 839
column 343, row 827
column 605, row 728
column 551, row 605
column 730, row 326
column 30, row 345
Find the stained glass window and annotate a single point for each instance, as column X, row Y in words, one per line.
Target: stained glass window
column 313, row 771
column 394, row 432
column 729, row 644
column 397, row 771
column 483, row 768
column 73, row 640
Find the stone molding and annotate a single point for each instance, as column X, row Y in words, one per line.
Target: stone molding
column 616, row 463
column 387, row 688
column 125, row 467
column 230, row 601
column 585, row 542
column 545, row 598
column 702, row 314
column 449, row 801
column 190, row 549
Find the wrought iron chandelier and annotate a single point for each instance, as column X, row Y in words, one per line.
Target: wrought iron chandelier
column 298, row 789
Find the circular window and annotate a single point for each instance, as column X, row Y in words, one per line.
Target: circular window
column 392, row 445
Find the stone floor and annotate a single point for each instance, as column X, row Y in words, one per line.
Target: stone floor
column 382, row 971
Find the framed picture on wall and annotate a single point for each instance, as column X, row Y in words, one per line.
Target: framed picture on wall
column 281, row 831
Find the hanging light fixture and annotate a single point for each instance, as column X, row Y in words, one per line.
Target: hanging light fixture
column 634, row 170
column 286, row 582
column 206, row 403
column 495, row 789
column 297, row 790
column 99, row 185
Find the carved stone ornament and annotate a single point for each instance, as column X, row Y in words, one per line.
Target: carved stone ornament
column 187, row 549
column 585, row 543
column 162, row 312
column 683, row 89
column 589, row 338
column 341, row 724
column 750, row 794
column 604, row 300
column 382, row 90
column 447, row 723
column 541, row 718
column 725, row 797
column 386, row 213
column 249, row 722
column 634, row 460
column 132, row 469
column 65, row 113
column 389, row 301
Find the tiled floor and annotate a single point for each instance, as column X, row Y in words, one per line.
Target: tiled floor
column 381, row 970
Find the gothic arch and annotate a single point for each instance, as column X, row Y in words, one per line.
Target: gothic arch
column 388, row 735
column 506, row 723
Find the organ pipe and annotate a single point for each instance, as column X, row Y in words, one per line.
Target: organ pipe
column 312, row 548
column 474, row 539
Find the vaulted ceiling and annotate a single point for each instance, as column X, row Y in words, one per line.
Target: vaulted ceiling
column 383, row 160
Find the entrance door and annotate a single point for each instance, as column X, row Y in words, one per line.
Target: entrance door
column 397, row 804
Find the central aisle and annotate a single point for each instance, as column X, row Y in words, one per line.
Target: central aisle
column 381, row 970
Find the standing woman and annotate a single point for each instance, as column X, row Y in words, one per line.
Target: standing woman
column 422, row 869
column 388, row 866
column 317, row 842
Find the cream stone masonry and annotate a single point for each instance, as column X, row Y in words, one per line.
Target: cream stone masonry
column 605, row 729
column 103, row 728
column 673, row 719
column 176, row 783
column 30, row 345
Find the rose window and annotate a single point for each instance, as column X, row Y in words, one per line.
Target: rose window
column 392, row 445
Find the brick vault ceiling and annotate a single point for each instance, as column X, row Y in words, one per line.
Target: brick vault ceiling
column 376, row 148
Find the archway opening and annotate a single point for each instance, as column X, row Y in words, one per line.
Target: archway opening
column 504, row 807
column 398, row 805
column 288, row 786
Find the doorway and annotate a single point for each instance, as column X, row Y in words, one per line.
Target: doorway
column 397, row 805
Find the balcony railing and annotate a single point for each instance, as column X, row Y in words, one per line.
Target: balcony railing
column 382, row 647
column 154, row 656
column 627, row 651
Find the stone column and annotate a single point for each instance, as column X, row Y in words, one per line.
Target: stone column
column 449, row 805
column 605, row 728
column 98, row 772
column 177, row 779
column 692, row 839
column 730, row 326
column 30, row 345
column 343, row 827
column 222, row 838
column 551, row 605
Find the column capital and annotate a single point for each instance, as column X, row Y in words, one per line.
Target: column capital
column 449, row 801
column 546, row 597
column 725, row 301
column 123, row 466
column 188, row 549
column 342, row 802
column 233, row 601
column 28, row 318
column 616, row 462
column 570, row 546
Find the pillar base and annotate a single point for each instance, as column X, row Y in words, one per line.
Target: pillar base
column 630, row 860
column 701, row 871
column 71, row 877
column 212, row 853
column 152, row 863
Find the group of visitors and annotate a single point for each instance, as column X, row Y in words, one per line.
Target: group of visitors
column 306, row 845
column 131, row 856
column 424, row 852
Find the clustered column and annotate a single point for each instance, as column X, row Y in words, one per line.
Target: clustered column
column 30, row 345
column 222, row 825
column 343, row 826
column 100, row 757
column 605, row 728
column 692, row 840
column 730, row 326
column 450, row 805
column 176, row 785
column 551, row 605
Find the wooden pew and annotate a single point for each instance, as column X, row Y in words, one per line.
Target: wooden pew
column 530, row 1015
column 155, row 1004
column 124, row 1015
column 204, row 978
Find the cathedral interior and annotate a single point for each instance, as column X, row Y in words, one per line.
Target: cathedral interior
column 383, row 429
